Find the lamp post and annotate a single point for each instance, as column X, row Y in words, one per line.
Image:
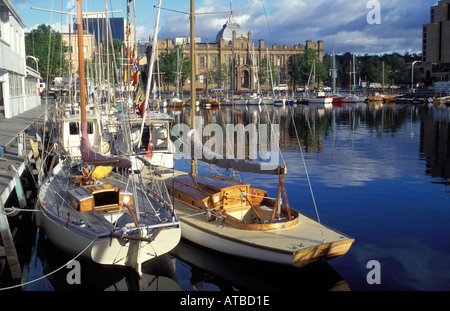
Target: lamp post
column 36, row 60
column 412, row 74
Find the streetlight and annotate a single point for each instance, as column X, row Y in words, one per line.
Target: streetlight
column 36, row 60
column 412, row 74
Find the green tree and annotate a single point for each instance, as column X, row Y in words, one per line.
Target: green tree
column 218, row 75
column 266, row 72
column 171, row 63
column 302, row 70
column 46, row 44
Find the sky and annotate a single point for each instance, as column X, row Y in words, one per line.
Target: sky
column 346, row 25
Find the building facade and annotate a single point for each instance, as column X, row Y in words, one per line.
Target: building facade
column 436, row 42
column 235, row 48
column 97, row 25
column 71, row 55
column 19, row 84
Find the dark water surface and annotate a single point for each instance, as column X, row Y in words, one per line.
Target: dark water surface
column 380, row 174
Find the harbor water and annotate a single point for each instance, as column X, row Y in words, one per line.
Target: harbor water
column 378, row 173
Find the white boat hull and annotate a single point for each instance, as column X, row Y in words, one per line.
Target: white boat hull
column 299, row 245
column 107, row 250
column 254, row 101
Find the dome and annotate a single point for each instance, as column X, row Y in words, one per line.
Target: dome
column 226, row 32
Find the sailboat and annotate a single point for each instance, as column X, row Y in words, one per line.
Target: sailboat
column 89, row 211
column 236, row 218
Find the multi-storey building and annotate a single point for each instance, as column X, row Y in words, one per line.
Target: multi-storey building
column 234, row 47
column 19, row 84
column 436, row 42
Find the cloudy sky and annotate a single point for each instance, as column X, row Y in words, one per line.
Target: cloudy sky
column 339, row 23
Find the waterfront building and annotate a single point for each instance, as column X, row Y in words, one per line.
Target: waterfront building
column 234, row 47
column 436, row 42
column 71, row 53
column 19, row 84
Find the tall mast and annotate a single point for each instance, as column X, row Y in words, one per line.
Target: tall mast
column 192, row 79
column 81, row 61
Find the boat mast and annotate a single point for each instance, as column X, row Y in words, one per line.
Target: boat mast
column 81, row 61
column 193, row 162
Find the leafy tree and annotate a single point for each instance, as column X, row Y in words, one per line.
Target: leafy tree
column 52, row 62
column 266, row 72
column 169, row 66
column 218, row 74
column 302, row 69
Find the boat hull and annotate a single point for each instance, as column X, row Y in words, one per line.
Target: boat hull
column 108, row 250
column 300, row 245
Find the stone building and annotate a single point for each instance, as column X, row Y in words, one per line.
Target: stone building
column 235, row 48
column 436, row 42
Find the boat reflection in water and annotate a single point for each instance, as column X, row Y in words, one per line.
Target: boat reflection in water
column 234, row 273
column 157, row 274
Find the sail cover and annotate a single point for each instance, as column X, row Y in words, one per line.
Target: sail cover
column 242, row 165
column 91, row 156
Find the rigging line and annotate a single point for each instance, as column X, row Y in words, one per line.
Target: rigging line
column 53, row 272
column 307, row 175
column 267, row 20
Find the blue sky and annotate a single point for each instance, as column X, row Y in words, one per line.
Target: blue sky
column 339, row 23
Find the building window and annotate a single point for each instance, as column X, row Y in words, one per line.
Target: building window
column 30, row 86
column 85, row 49
column 202, row 79
column 213, row 61
column 202, row 61
column 15, row 85
column 278, row 61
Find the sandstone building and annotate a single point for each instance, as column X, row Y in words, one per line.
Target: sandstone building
column 234, row 47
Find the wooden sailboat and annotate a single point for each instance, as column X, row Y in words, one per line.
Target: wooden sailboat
column 100, row 215
column 236, row 218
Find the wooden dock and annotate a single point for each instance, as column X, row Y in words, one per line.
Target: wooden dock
column 15, row 135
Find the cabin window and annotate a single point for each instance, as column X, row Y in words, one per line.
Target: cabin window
column 74, row 128
column 106, row 198
column 90, row 128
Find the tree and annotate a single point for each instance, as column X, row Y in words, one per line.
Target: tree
column 267, row 72
column 171, row 63
column 218, row 74
column 302, row 69
column 52, row 62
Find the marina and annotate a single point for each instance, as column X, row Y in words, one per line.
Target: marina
column 378, row 173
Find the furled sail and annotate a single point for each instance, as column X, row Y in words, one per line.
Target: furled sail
column 91, row 156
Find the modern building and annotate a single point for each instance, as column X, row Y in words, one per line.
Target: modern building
column 234, row 47
column 436, row 42
column 96, row 25
column 19, row 84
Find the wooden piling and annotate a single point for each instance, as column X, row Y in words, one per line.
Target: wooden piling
column 9, row 247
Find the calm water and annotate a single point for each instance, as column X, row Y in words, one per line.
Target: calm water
column 380, row 174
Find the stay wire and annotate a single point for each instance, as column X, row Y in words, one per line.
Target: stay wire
column 53, row 272
column 306, row 173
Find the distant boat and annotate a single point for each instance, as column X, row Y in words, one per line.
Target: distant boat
column 175, row 102
column 253, row 99
column 321, row 98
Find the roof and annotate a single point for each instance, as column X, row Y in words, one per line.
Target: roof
column 226, row 32
column 13, row 11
